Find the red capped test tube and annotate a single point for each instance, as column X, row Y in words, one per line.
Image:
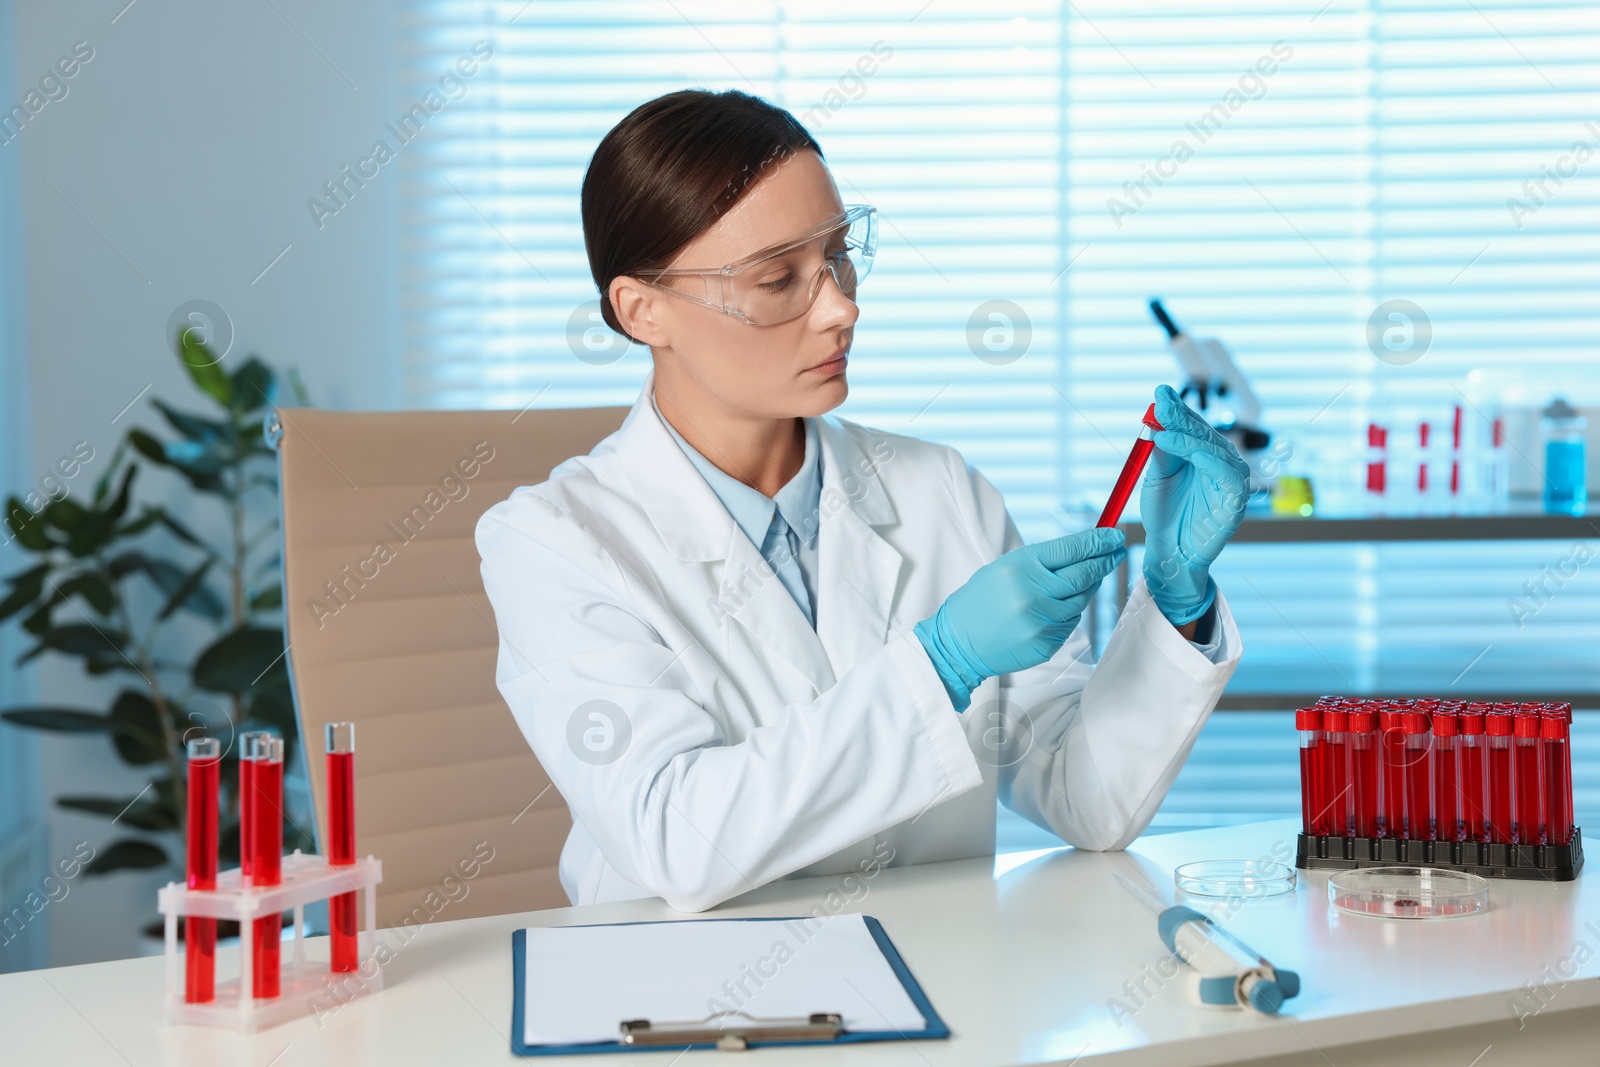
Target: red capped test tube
column 1337, row 800
column 1392, row 755
column 1529, row 808
column 199, row 931
column 1363, row 721
column 1553, row 731
column 267, row 861
column 1308, row 721
column 247, row 803
column 1419, row 781
column 1502, row 828
column 1132, row 467
column 1473, row 749
column 341, row 746
column 1448, row 824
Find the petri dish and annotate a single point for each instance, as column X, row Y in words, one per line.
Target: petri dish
column 1234, row 878
column 1408, row 892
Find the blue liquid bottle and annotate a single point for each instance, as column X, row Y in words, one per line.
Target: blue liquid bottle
column 1566, row 473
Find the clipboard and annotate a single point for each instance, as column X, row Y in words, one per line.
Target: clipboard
column 745, row 1031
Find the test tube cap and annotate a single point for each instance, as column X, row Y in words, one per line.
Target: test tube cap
column 1414, row 721
column 248, row 742
column 1335, row 720
column 1472, row 720
column 1308, row 719
column 268, row 748
column 1498, row 724
column 340, row 736
column 204, row 749
column 1445, row 723
column 1526, row 725
column 1150, row 419
column 1362, row 720
column 1553, row 727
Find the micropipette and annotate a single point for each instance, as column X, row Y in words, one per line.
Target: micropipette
column 1223, row 971
column 1131, row 470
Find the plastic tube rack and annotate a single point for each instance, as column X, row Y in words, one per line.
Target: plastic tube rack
column 306, row 879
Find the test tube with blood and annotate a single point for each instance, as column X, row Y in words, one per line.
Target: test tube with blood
column 1473, row 755
column 1553, row 731
column 1308, row 721
column 1447, row 821
column 267, row 863
column 1419, row 784
column 1392, row 741
column 247, row 802
column 341, row 746
column 1502, row 829
column 200, row 932
column 1532, row 788
column 1132, row 467
column 1336, row 770
column 1364, row 770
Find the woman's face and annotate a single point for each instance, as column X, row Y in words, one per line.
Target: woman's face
column 792, row 368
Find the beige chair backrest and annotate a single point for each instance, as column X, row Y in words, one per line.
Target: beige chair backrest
column 389, row 627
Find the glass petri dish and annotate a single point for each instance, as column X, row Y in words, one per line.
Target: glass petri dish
column 1234, row 878
column 1408, row 892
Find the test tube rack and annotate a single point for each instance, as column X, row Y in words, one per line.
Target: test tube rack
column 306, row 879
column 1402, row 769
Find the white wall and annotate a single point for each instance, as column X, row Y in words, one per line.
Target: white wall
column 177, row 167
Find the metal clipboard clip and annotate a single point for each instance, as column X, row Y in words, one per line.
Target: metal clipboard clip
column 712, row 1030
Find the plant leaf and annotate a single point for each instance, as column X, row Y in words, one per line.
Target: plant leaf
column 264, row 599
column 148, row 447
column 26, row 526
column 139, row 738
column 190, row 594
column 274, row 706
column 60, row 720
column 119, row 505
column 64, row 514
column 253, row 385
column 140, row 814
column 205, row 368
column 127, row 854
column 179, row 530
column 25, row 589
column 79, row 639
column 193, row 427
column 149, row 518
column 93, row 587
column 241, row 659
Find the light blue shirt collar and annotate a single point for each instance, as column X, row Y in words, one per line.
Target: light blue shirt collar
column 799, row 501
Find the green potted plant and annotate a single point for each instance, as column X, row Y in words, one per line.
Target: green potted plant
column 79, row 599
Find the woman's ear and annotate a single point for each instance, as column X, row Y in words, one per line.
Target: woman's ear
column 635, row 305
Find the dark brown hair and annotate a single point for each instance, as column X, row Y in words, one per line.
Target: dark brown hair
column 668, row 171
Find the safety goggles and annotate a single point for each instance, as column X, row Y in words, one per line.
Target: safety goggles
column 781, row 282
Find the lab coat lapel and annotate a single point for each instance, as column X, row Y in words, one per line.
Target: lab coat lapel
column 744, row 590
column 859, row 570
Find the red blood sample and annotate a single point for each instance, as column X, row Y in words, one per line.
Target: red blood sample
column 1364, row 771
column 1473, row 754
column 1132, row 467
column 267, row 863
column 1336, row 770
column 1447, row 821
column 200, row 932
column 341, row 744
column 1392, row 798
column 1529, row 808
column 1308, row 721
column 1502, row 827
column 1553, row 731
column 1418, row 776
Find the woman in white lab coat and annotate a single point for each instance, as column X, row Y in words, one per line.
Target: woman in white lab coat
column 748, row 639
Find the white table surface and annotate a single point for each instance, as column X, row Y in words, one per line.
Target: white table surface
column 1020, row 954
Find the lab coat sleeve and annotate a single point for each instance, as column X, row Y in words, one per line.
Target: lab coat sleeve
column 671, row 804
column 1089, row 750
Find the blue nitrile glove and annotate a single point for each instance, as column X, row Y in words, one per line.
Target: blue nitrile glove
column 1195, row 491
column 1016, row 611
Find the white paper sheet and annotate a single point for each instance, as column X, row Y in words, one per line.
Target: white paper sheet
column 582, row 981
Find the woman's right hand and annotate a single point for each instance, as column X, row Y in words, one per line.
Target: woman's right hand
column 1016, row 611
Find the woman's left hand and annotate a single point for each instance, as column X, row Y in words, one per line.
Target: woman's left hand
column 1195, row 490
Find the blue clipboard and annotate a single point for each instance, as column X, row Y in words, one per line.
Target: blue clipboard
column 935, row 1027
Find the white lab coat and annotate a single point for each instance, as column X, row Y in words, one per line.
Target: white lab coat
column 735, row 745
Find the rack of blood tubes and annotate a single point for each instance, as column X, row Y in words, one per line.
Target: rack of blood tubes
column 266, row 990
column 1478, row 787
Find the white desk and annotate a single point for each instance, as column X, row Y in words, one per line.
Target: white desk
column 1020, row 955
